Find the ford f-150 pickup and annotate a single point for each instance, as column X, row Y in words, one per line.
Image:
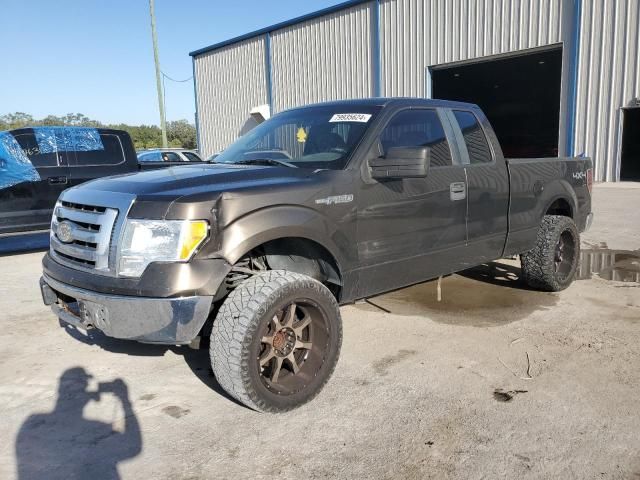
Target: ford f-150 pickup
column 317, row 207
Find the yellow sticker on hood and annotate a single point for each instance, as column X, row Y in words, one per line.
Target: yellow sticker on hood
column 301, row 135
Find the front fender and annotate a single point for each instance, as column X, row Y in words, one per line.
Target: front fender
column 286, row 221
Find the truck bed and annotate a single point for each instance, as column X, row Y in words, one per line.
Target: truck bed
column 535, row 184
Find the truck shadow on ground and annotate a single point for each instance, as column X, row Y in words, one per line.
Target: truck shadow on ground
column 64, row 444
column 197, row 360
column 498, row 273
column 491, row 294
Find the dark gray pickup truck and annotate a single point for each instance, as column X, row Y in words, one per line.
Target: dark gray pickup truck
column 317, row 207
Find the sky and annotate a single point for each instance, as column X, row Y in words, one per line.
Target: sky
column 95, row 57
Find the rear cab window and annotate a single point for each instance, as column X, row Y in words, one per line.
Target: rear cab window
column 474, row 138
column 105, row 150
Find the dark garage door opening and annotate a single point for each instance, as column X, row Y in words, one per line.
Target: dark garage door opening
column 630, row 160
column 519, row 94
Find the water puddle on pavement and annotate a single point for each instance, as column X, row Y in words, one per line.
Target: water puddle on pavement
column 488, row 295
column 614, row 265
column 493, row 294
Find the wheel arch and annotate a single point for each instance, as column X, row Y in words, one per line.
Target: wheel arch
column 250, row 231
column 295, row 253
column 558, row 199
column 290, row 238
column 560, row 206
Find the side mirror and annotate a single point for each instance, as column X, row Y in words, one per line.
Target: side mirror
column 401, row 162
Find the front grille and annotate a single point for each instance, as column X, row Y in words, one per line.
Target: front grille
column 79, row 261
column 84, row 208
column 81, row 234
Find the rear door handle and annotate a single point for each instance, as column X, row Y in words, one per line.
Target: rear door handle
column 457, row 191
column 58, row 180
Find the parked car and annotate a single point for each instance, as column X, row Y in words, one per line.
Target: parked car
column 316, row 207
column 167, row 157
column 37, row 164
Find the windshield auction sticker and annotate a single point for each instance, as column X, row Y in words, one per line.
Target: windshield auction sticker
column 351, row 117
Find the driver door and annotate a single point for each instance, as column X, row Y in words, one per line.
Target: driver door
column 413, row 229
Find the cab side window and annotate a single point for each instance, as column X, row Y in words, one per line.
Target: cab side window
column 418, row 128
column 31, row 149
column 109, row 153
column 170, row 157
column 474, row 138
column 150, row 157
column 192, row 156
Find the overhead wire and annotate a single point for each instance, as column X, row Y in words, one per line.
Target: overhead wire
column 174, row 80
column 164, row 88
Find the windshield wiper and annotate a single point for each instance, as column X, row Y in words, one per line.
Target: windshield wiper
column 265, row 161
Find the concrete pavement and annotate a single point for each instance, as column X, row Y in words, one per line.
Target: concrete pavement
column 494, row 381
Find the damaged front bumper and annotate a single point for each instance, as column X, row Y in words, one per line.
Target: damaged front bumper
column 145, row 319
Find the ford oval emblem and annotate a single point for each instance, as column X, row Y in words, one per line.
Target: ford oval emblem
column 64, row 232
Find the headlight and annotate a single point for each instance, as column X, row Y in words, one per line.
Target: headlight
column 147, row 241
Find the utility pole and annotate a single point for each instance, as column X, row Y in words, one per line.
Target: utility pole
column 154, row 36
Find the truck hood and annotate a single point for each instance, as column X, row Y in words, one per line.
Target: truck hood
column 175, row 182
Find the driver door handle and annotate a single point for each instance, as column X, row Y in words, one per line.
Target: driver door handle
column 457, row 191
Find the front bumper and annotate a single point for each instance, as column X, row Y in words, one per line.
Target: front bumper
column 145, row 319
column 160, row 280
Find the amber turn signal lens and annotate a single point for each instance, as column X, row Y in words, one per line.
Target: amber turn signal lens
column 194, row 233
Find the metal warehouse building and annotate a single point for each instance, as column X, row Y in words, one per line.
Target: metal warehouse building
column 555, row 77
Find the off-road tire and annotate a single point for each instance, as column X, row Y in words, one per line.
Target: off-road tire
column 539, row 263
column 237, row 337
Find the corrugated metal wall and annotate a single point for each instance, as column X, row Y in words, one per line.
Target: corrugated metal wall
column 608, row 78
column 229, row 83
column 418, row 33
column 334, row 57
column 322, row 59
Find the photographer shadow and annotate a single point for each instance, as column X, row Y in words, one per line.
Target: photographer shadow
column 196, row 359
column 63, row 444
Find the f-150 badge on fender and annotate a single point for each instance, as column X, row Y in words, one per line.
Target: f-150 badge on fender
column 335, row 200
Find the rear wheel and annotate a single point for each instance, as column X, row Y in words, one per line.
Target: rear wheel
column 276, row 340
column 551, row 265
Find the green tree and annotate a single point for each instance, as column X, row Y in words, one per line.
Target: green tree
column 79, row 120
column 180, row 133
column 16, row 120
column 51, row 121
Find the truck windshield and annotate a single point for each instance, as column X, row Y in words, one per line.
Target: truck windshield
column 312, row 137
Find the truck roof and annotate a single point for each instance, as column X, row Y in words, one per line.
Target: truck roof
column 28, row 129
column 386, row 101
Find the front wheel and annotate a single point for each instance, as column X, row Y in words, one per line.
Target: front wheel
column 276, row 340
column 551, row 264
